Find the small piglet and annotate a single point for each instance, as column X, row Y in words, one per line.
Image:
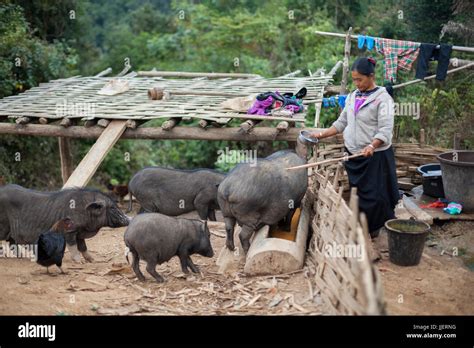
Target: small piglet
column 156, row 238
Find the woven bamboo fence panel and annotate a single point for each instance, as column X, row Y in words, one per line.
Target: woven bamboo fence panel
column 348, row 285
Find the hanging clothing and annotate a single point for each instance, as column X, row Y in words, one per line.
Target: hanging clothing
column 389, row 87
column 377, row 188
column 367, row 40
column 398, row 55
column 341, row 100
column 429, row 52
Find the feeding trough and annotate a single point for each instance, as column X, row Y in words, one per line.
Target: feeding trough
column 272, row 250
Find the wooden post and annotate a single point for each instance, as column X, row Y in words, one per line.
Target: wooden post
column 457, row 141
column 422, row 137
column 66, row 158
column 89, row 164
column 345, row 65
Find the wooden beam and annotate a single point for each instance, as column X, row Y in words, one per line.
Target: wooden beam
column 66, row 158
column 185, row 133
column 194, row 74
column 416, row 211
column 89, row 164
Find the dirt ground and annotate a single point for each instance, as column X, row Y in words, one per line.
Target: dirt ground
column 441, row 284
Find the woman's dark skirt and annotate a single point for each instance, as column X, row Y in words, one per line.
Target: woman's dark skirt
column 376, row 181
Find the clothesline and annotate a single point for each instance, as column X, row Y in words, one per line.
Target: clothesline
column 354, row 37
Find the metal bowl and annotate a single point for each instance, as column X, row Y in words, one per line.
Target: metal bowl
column 305, row 138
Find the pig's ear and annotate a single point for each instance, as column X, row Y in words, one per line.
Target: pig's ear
column 95, row 207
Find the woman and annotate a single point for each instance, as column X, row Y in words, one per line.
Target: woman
column 367, row 123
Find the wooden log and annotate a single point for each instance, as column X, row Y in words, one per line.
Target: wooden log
column 275, row 255
column 405, row 185
column 416, row 211
column 23, row 120
column 332, row 90
column 283, row 126
column 66, row 122
column 170, row 124
column 90, row 123
column 203, row 123
column 248, row 125
column 66, row 158
column 89, row 164
column 103, row 122
column 132, row 124
column 186, row 133
column 155, row 93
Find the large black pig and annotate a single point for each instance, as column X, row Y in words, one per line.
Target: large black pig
column 261, row 194
column 25, row 214
column 174, row 192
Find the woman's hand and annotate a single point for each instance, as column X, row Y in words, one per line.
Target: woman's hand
column 368, row 151
column 316, row 135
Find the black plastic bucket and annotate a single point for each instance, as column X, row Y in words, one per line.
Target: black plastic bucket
column 432, row 180
column 406, row 241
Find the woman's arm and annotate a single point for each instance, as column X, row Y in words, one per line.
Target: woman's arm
column 325, row 133
column 337, row 127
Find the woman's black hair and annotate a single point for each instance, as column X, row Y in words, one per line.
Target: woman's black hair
column 364, row 65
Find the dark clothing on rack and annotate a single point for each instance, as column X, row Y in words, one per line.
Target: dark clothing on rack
column 429, row 52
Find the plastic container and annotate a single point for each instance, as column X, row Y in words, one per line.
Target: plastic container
column 406, row 241
column 432, row 179
column 458, row 177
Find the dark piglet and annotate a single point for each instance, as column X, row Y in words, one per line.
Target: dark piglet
column 156, row 238
column 174, row 192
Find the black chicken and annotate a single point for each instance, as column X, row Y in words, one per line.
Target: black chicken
column 51, row 244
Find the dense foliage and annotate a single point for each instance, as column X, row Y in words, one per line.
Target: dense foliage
column 46, row 39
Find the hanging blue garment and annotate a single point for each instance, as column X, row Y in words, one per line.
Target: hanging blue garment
column 360, row 41
column 341, row 100
column 325, row 102
column 370, row 42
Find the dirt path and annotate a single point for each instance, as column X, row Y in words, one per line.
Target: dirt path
column 109, row 286
column 441, row 284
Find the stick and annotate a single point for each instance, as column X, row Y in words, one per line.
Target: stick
column 354, row 37
column 309, row 165
column 431, row 76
